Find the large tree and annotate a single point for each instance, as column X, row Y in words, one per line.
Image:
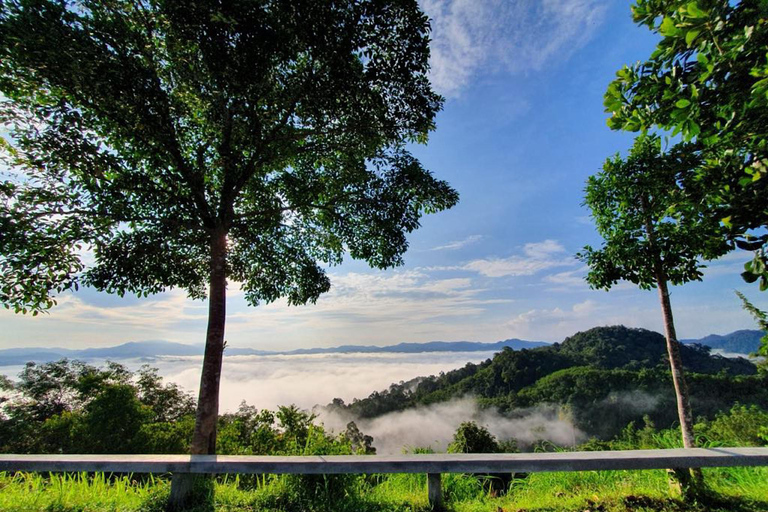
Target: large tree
column 188, row 143
column 707, row 80
column 652, row 237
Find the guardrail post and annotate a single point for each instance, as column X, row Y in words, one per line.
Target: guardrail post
column 435, row 491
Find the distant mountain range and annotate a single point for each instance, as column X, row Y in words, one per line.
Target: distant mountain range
column 745, row 341
column 740, row 342
column 147, row 349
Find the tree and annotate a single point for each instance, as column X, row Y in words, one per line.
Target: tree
column 188, row 143
column 473, row 438
column 651, row 240
column 707, row 80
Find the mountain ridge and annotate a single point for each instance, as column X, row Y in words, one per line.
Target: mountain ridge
column 744, row 341
column 154, row 348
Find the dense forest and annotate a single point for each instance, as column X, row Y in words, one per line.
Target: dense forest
column 605, row 377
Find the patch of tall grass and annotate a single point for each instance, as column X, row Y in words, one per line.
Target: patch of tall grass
column 77, row 492
column 733, row 489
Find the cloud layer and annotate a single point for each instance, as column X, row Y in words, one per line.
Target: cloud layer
column 471, row 37
column 537, row 256
column 309, row 380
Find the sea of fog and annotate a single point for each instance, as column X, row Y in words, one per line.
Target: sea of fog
column 311, row 380
column 307, row 381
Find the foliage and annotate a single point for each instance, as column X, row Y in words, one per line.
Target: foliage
column 72, row 407
column 639, row 209
column 473, row 438
column 761, row 317
column 610, row 375
column 290, row 431
column 145, row 130
column 741, row 426
column 707, row 80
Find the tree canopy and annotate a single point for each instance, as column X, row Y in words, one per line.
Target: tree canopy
column 647, row 190
column 707, row 80
column 138, row 130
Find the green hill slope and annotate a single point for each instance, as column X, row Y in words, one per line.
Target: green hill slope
column 605, row 377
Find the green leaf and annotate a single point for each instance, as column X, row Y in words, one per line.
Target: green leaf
column 682, row 103
column 668, row 28
column 690, row 36
column 749, row 277
column 694, row 11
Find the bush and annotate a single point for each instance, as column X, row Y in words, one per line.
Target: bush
column 741, row 426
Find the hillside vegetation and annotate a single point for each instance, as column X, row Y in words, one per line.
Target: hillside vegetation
column 606, row 377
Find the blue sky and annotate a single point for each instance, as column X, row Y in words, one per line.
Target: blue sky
column 522, row 128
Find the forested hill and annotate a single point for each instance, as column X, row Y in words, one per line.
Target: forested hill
column 587, row 371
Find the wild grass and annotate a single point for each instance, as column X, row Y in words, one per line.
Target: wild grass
column 731, row 490
column 76, row 492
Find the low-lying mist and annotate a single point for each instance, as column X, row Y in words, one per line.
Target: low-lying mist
column 307, row 381
column 433, row 426
column 267, row 382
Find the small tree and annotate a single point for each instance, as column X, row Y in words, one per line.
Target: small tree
column 473, row 438
column 651, row 240
column 188, row 143
column 707, row 80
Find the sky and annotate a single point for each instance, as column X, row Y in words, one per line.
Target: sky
column 522, row 128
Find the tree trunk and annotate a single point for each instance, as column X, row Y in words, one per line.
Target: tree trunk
column 204, row 438
column 689, row 482
column 676, row 365
column 673, row 346
column 206, row 417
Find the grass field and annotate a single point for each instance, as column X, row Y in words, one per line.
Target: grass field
column 731, row 490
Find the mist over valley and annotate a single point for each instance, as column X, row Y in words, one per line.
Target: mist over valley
column 590, row 385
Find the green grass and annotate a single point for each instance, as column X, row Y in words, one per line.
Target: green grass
column 76, row 492
column 732, row 490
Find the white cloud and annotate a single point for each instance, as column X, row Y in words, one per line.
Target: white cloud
column 536, row 257
column 542, row 250
column 434, row 425
column 383, row 307
column 568, row 279
column 458, row 244
column 470, row 36
column 731, row 264
column 557, row 322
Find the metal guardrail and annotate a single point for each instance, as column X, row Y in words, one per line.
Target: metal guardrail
column 432, row 464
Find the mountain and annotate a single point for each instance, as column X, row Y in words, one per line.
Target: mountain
column 744, row 342
column 404, row 348
column 16, row 356
column 741, row 342
column 604, row 377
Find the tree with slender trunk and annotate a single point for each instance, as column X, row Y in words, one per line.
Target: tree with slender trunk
column 187, row 143
column 706, row 81
column 652, row 236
